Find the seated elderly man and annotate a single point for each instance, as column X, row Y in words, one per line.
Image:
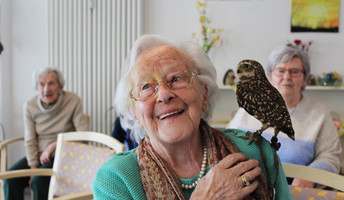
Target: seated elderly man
column 46, row 115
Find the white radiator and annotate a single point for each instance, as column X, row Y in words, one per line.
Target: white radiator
column 88, row 41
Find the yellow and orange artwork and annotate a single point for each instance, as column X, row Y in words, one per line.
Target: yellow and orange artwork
column 315, row 15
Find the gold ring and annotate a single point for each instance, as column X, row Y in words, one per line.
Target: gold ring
column 245, row 181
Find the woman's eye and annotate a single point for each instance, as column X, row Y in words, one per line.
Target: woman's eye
column 176, row 79
column 146, row 86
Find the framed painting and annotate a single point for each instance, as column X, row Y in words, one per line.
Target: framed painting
column 315, row 16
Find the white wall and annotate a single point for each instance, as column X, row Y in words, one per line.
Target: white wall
column 252, row 29
column 24, row 33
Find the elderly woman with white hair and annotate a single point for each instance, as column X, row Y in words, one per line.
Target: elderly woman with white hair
column 47, row 114
column 316, row 139
column 166, row 94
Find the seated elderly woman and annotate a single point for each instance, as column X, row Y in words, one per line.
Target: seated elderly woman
column 170, row 92
column 317, row 143
column 47, row 114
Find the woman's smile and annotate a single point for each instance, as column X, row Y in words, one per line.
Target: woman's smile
column 171, row 114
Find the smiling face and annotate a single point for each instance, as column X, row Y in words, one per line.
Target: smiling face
column 170, row 116
column 286, row 84
column 49, row 88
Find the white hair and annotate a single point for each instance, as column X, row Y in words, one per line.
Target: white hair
column 205, row 69
column 283, row 54
column 45, row 71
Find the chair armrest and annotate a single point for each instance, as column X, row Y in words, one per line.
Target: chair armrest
column 26, row 172
column 3, row 150
column 9, row 141
column 315, row 175
column 78, row 196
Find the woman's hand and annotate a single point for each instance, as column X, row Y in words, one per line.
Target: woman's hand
column 45, row 156
column 302, row 183
column 224, row 181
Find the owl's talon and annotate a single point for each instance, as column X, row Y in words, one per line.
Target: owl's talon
column 276, row 146
column 274, row 143
column 253, row 137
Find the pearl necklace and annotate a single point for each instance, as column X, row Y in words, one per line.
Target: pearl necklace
column 201, row 173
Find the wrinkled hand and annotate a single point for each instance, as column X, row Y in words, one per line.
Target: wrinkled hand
column 224, row 181
column 45, row 156
column 302, row 183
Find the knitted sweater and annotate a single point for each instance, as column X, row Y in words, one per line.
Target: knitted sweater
column 119, row 177
column 42, row 125
column 316, row 139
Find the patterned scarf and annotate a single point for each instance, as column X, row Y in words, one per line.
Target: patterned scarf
column 160, row 182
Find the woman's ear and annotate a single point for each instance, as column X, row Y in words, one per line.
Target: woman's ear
column 137, row 119
column 205, row 99
column 138, row 122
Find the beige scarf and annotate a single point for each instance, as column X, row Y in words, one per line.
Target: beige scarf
column 160, row 182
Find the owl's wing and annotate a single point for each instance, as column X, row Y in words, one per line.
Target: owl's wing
column 250, row 99
column 262, row 101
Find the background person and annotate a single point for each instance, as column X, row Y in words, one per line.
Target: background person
column 47, row 114
column 122, row 134
column 170, row 92
column 317, row 143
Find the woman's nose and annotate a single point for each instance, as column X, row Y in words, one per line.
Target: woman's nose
column 165, row 93
column 287, row 74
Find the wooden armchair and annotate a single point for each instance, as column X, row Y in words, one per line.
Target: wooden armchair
column 322, row 177
column 77, row 157
column 3, row 158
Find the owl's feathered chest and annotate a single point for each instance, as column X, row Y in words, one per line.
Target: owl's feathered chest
column 253, row 91
column 261, row 100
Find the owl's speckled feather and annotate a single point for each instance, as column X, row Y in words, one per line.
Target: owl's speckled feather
column 263, row 101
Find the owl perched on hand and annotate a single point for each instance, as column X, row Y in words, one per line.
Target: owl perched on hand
column 263, row 101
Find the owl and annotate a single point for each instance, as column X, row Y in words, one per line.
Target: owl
column 263, row 101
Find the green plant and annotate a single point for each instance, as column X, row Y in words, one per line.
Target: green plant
column 210, row 36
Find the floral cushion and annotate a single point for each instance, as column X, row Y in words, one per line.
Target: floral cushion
column 302, row 193
column 77, row 167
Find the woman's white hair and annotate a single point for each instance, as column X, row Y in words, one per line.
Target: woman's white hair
column 205, row 69
column 283, row 54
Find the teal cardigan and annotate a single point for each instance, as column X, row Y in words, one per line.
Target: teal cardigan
column 119, row 177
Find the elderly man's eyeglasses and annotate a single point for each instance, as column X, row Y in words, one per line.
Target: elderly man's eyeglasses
column 293, row 72
column 173, row 81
